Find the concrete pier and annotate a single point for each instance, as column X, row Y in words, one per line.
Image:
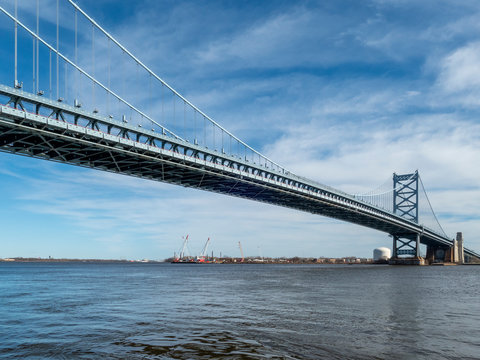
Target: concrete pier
column 459, row 257
column 417, row 260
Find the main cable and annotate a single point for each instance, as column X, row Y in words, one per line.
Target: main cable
column 431, row 208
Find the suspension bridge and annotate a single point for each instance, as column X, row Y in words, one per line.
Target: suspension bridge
column 74, row 94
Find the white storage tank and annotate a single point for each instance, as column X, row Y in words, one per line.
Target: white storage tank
column 381, row 254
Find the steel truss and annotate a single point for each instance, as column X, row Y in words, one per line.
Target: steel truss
column 405, row 196
column 405, row 204
column 406, row 244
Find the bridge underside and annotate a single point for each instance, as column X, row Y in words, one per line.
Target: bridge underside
column 48, row 143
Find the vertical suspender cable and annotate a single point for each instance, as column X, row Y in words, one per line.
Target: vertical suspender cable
column 58, row 35
column 38, row 49
column 16, row 26
column 136, row 76
column 163, row 104
column 124, row 75
column 50, row 73
column 150, row 94
column 66, row 82
column 33, row 65
column 108, row 94
column 76, row 62
column 93, row 65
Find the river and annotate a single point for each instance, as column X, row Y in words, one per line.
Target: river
column 242, row 311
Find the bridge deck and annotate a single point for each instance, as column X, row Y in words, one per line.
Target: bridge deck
column 69, row 135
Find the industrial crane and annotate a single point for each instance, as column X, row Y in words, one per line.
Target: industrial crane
column 182, row 251
column 203, row 254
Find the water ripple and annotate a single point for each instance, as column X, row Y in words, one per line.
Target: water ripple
column 141, row 311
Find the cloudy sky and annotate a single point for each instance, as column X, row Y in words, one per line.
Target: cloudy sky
column 342, row 92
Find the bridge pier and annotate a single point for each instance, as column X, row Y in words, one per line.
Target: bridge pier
column 458, row 245
column 408, row 245
column 455, row 253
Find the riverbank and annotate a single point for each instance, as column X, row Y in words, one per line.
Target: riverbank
column 119, row 261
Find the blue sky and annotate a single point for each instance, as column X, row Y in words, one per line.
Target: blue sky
column 342, row 92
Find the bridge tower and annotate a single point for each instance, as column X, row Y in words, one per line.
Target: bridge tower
column 405, row 204
column 405, row 195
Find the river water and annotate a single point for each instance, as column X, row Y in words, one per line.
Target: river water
column 178, row 311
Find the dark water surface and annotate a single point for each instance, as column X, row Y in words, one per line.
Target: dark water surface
column 168, row 311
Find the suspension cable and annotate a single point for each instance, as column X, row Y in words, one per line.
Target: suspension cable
column 431, row 208
column 16, row 45
column 65, row 80
column 50, row 73
column 58, row 38
column 369, row 194
column 38, row 49
column 33, row 66
column 76, row 59
column 108, row 83
column 93, row 66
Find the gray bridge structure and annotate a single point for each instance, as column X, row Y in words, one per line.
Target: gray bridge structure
column 48, row 127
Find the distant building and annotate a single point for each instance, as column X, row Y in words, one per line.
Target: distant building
column 381, row 254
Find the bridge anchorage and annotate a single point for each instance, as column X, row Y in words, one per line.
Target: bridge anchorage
column 136, row 124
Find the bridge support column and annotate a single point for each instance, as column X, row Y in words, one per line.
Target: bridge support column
column 417, row 250
column 394, row 247
column 455, row 253
column 406, row 250
column 459, row 257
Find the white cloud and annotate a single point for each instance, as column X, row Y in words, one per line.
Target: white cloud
column 460, row 72
column 265, row 40
column 357, row 158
